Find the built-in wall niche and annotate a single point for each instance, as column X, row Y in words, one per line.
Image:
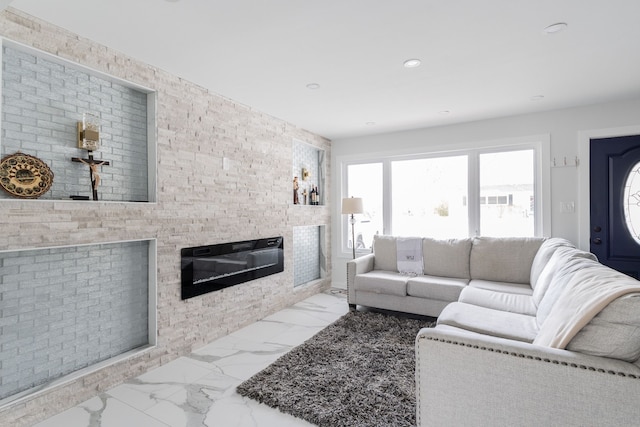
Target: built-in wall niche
column 309, row 174
column 309, row 254
column 67, row 311
column 44, row 98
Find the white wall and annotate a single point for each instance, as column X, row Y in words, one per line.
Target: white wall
column 568, row 130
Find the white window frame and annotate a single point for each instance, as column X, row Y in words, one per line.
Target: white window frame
column 540, row 144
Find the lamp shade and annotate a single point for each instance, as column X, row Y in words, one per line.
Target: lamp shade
column 352, row 205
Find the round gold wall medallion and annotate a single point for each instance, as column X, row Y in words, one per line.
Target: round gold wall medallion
column 25, row 176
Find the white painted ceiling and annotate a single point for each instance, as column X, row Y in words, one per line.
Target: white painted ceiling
column 480, row 59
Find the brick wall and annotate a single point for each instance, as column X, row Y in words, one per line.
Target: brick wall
column 63, row 309
column 306, row 254
column 198, row 203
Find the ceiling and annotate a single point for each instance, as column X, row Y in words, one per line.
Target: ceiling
column 479, row 59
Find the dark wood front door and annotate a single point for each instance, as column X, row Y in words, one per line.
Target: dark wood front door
column 615, row 215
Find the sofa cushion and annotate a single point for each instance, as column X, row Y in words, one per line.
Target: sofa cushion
column 434, row 287
column 487, row 321
column 567, row 267
column 547, row 248
column 558, row 258
column 614, row 332
column 510, row 288
column 503, row 259
column 381, row 282
column 446, row 258
column 385, row 251
column 515, row 303
column 589, row 291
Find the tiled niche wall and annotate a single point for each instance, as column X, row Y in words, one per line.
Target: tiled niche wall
column 309, row 262
column 313, row 159
column 64, row 309
column 43, row 99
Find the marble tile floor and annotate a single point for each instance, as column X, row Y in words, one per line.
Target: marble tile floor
column 199, row 389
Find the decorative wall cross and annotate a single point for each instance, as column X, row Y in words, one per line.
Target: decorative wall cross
column 93, row 171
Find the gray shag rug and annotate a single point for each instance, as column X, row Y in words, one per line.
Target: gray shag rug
column 359, row 371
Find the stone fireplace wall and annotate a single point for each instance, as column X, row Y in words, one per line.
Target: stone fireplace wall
column 223, row 174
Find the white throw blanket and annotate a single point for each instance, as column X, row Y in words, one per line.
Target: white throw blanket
column 588, row 292
column 409, row 255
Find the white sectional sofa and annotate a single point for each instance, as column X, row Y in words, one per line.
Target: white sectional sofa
column 449, row 267
column 540, row 334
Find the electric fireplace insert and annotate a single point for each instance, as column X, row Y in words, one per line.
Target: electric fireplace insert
column 214, row 267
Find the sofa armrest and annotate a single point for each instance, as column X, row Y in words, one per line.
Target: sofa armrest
column 466, row 378
column 359, row 265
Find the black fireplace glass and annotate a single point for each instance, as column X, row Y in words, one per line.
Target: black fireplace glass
column 210, row 268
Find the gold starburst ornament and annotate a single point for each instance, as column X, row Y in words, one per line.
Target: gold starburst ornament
column 25, row 176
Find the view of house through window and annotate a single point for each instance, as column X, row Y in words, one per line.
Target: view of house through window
column 472, row 192
column 506, row 194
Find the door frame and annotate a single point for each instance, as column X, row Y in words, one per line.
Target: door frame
column 584, row 199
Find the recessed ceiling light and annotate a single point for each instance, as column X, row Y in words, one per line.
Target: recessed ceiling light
column 411, row 63
column 555, row 28
column 313, row 86
column 444, row 112
column 537, row 98
column 370, row 123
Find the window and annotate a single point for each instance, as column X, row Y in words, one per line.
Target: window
column 631, row 202
column 494, row 191
column 428, row 197
column 506, row 181
column 366, row 181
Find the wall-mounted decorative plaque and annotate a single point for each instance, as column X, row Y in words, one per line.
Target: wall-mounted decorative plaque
column 25, row 176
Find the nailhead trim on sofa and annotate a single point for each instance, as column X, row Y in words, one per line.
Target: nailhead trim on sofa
column 509, row 353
